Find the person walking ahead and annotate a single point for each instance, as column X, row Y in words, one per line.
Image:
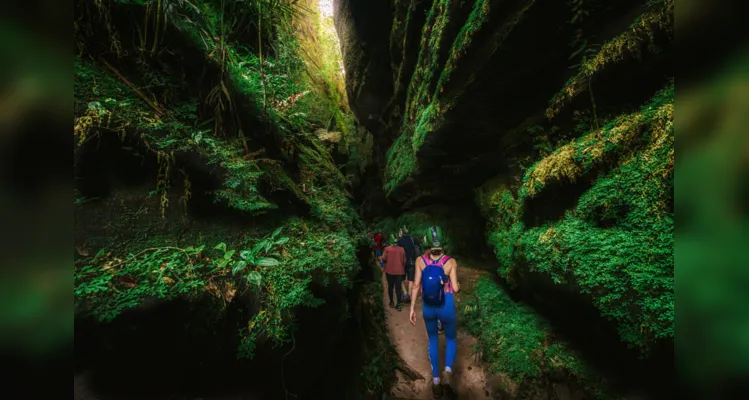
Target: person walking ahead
column 413, row 250
column 437, row 276
column 394, row 258
column 378, row 238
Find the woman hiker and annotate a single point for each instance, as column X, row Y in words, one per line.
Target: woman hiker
column 427, row 251
column 437, row 276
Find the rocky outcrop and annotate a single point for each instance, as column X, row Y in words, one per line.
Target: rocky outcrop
column 476, row 76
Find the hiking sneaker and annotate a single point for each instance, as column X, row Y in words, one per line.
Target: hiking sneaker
column 391, row 305
column 447, row 379
column 437, row 391
column 398, row 307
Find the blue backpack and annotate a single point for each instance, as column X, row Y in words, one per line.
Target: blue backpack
column 433, row 281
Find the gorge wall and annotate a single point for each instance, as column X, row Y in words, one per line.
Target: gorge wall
column 554, row 120
column 215, row 156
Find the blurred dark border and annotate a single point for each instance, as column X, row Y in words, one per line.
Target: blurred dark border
column 37, row 221
column 36, row 197
column 713, row 41
column 708, row 34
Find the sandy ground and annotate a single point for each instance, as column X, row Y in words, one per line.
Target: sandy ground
column 411, row 343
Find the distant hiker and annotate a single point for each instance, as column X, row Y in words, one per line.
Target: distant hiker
column 378, row 246
column 370, row 235
column 395, row 259
column 437, row 276
column 413, row 250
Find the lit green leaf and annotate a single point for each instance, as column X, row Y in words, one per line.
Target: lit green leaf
column 267, row 262
column 238, row 267
column 254, row 277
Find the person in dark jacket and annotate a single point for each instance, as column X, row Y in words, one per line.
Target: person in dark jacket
column 412, row 250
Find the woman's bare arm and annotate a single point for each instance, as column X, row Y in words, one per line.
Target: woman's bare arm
column 453, row 265
column 417, row 281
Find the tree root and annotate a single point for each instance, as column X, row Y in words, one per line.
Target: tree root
column 407, row 371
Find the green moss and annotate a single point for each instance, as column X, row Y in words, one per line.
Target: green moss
column 401, row 163
column 515, row 341
column 425, row 109
column 426, row 124
column 150, row 249
column 427, row 64
column 505, row 229
column 477, row 20
column 616, row 245
column 380, row 354
column 616, row 139
column 104, row 104
column 627, row 269
column 630, row 42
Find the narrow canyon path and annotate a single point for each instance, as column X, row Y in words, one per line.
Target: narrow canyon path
column 470, row 379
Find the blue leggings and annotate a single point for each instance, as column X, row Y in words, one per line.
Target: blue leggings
column 446, row 315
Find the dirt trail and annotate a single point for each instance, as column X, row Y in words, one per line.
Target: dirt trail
column 470, row 379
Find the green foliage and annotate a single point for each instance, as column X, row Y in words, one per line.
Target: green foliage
column 618, row 138
column 515, row 341
column 105, row 104
column 617, row 244
column 251, row 96
column 309, row 253
column 428, row 96
column 278, row 268
column 477, row 20
column 401, row 162
column 640, row 35
column 418, row 122
column 359, row 146
column 327, row 104
column 505, row 229
column 380, row 355
column 108, row 285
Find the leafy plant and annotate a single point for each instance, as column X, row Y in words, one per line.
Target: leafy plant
column 250, row 257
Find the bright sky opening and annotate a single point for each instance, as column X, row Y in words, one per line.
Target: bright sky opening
column 326, row 7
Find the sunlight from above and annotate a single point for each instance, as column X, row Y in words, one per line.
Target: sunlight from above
column 326, row 8
column 328, row 30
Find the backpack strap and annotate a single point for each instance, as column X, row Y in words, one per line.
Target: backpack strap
column 441, row 262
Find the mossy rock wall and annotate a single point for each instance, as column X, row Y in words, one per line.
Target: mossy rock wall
column 557, row 118
column 205, row 169
column 477, row 75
